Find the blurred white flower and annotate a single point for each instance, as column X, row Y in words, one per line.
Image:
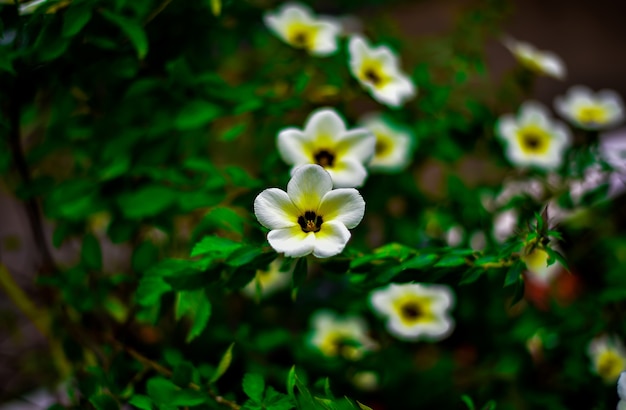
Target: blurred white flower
column 327, row 142
column 504, row 224
column 268, row 281
column 366, row 380
column 590, row 111
column 340, row 336
column 608, row 357
column 378, row 71
column 393, row 150
column 455, row 235
column 541, row 62
column 415, row 311
column 30, row 7
column 310, row 217
column 297, row 26
column 533, row 139
column 478, row 241
column 621, row 391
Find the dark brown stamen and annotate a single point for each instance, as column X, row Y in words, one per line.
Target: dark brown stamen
column 310, row 222
column 373, row 76
column 411, row 311
column 300, row 39
column 324, row 158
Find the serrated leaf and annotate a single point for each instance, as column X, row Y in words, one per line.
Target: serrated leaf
column 90, row 254
column 150, row 290
column 133, row 30
column 223, row 364
column 253, row 385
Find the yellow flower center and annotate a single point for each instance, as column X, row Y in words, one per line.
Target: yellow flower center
column 591, row 114
column 310, row 222
column 414, row 309
column 533, row 140
column 610, row 364
column 324, row 158
column 537, row 260
column 372, row 72
column 301, row 35
column 337, row 342
column 532, row 63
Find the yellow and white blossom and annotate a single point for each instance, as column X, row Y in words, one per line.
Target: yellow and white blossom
column 537, row 266
column 394, row 145
column 589, row 110
column 541, row 62
column 340, row 336
column 415, row 311
column 326, row 141
column 310, row 217
column 378, row 71
column 608, row 357
column 621, row 391
column 533, row 138
column 297, row 26
column 269, row 281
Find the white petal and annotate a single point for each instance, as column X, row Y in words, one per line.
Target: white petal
column 308, row 186
column 358, row 49
column 294, row 147
column 331, row 239
column 344, row 205
column 326, row 38
column 507, row 127
column 274, row 209
column 380, row 299
column 348, row 173
column 358, row 143
column 435, row 330
column 553, row 65
column 533, row 112
column 621, row 386
column 396, row 92
column 387, row 57
column 292, row 241
column 325, row 121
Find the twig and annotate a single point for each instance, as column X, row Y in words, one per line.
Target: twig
column 157, row 11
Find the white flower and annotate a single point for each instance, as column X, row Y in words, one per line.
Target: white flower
column 454, row 235
column 377, row 69
column 608, row 357
column 415, row 311
column 590, row 111
column 336, row 336
column 393, row 148
column 310, row 217
column 268, row 281
column 533, row 139
column 326, row 141
column 296, row 25
column 541, row 62
column 537, row 266
column 621, row 391
column 504, row 224
column 478, row 241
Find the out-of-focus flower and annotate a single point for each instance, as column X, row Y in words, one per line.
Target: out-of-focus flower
column 394, row 145
column 378, row 71
column 541, row 62
column 340, row 336
column 504, row 224
column 478, row 241
column 310, row 217
column 30, row 7
column 455, row 235
column 366, row 380
column 533, row 139
column 415, row 311
column 297, row 26
column 537, row 266
column 608, row 357
column 327, row 142
column 268, row 281
column 621, row 391
column 590, row 111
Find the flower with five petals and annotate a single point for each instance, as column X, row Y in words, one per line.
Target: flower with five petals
column 310, row 217
column 394, row 145
column 608, row 357
column 296, row 25
column 591, row 111
column 327, row 142
column 378, row 71
column 541, row 62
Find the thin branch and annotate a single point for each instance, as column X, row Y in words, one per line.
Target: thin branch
column 157, row 11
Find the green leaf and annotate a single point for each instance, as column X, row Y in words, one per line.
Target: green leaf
column 223, row 365
column 232, row 133
column 141, row 402
column 420, row 261
column 299, row 272
column 196, row 114
column 133, row 30
column 514, row 273
column 103, row 402
column 91, row 255
column 253, row 385
column 183, row 374
column 244, row 256
column 150, row 290
column 164, row 392
column 75, row 18
column 554, row 255
column 144, row 256
column 218, row 246
column 147, row 201
column 363, row 406
column 224, row 218
column 519, row 291
column 196, row 305
column 449, row 261
column 468, row 402
column 291, row 381
column 277, row 401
